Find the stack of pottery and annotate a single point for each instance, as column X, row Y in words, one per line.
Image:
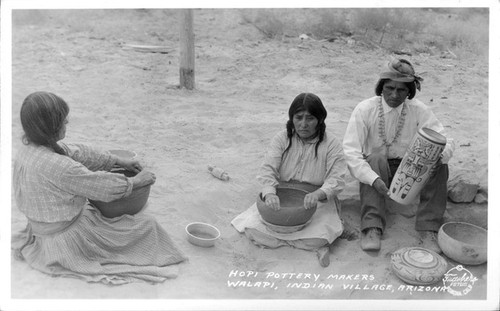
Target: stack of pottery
column 292, row 216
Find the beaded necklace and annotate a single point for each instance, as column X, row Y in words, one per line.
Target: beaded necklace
column 381, row 125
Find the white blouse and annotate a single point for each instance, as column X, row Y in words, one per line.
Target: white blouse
column 300, row 163
column 49, row 187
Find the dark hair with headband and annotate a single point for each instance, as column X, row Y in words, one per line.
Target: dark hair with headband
column 42, row 116
column 400, row 70
column 410, row 85
column 312, row 104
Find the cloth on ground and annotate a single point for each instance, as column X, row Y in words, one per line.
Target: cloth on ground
column 325, row 225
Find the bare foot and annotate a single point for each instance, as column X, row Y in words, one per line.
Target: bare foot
column 349, row 233
column 324, row 256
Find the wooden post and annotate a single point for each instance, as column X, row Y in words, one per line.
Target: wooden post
column 186, row 69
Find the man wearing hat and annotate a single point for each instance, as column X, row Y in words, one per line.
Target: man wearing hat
column 377, row 136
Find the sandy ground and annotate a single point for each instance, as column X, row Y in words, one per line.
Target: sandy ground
column 244, row 85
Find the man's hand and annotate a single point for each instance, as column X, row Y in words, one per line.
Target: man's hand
column 380, row 186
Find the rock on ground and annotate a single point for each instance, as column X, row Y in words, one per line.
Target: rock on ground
column 463, row 186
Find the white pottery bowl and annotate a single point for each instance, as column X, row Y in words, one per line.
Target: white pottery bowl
column 202, row 234
column 463, row 242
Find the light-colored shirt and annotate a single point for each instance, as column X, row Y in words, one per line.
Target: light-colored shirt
column 49, row 187
column 300, row 163
column 362, row 134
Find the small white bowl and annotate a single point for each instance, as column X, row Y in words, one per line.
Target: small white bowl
column 202, row 234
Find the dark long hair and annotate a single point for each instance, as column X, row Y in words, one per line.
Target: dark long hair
column 42, row 116
column 312, row 104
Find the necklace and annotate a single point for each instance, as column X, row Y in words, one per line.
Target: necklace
column 381, row 125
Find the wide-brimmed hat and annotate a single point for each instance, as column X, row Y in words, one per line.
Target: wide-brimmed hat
column 400, row 70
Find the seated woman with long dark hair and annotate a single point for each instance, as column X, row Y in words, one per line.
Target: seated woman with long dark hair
column 65, row 236
column 303, row 154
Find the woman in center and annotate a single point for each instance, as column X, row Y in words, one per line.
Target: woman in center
column 307, row 157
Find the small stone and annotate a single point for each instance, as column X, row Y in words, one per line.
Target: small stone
column 304, row 37
column 463, row 187
column 481, row 198
column 462, row 192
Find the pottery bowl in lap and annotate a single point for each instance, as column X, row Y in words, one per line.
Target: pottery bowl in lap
column 130, row 205
column 292, row 211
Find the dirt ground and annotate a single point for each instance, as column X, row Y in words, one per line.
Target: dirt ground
column 126, row 99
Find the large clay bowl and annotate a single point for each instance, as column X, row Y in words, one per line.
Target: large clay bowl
column 463, row 242
column 130, row 205
column 292, row 211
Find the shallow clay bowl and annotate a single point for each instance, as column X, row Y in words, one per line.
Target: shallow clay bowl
column 292, row 211
column 463, row 242
column 202, row 234
column 130, row 205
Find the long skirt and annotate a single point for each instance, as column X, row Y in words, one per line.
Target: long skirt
column 97, row 249
column 325, row 226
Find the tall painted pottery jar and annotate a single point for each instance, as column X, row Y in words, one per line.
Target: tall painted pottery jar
column 415, row 168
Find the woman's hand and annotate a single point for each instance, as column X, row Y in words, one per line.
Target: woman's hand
column 142, row 179
column 311, row 199
column 129, row 165
column 272, row 201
